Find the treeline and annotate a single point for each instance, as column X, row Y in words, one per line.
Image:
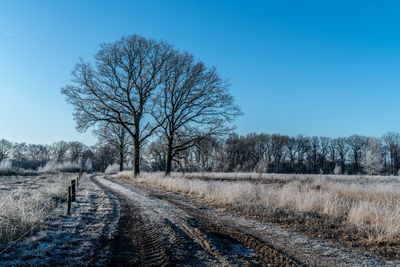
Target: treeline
column 263, row 153
column 23, row 156
column 275, row 153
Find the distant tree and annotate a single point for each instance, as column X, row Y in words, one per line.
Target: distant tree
column 314, row 152
column 291, row 152
column 118, row 137
column 194, row 104
column 356, row 144
column 59, row 151
column 323, row 155
column 302, row 148
column 105, row 155
column 119, row 88
column 278, row 150
column 37, row 152
column 372, row 161
column 19, row 152
column 156, row 155
column 5, row 149
column 392, row 145
column 75, row 150
column 332, row 154
column 342, row 150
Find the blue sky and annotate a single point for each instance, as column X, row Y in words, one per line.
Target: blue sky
column 296, row 67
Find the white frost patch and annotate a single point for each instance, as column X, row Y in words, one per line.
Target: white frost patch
column 83, row 238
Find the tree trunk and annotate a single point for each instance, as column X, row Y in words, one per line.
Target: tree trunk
column 136, row 157
column 121, row 158
column 168, row 160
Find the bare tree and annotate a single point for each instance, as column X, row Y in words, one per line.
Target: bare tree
column 194, row 104
column 303, row 145
column 278, row 143
column 37, row 152
column 372, row 157
column 392, row 143
column 356, row 144
column 5, row 149
column 332, row 154
column 118, row 88
column 105, row 155
column 314, row 153
column 75, row 150
column 342, row 149
column 19, row 152
column 156, row 155
column 59, row 151
column 116, row 136
column 324, row 153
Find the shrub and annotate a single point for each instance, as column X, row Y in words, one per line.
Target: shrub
column 6, row 168
column 54, row 166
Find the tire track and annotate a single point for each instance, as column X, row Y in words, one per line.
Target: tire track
column 226, row 246
column 267, row 254
column 136, row 243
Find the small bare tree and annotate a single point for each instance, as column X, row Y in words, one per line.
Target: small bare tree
column 194, row 103
column 118, row 88
column 116, row 136
column 372, row 161
column 392, row 145
column 59, row 151
column 342, row 150
column 5, row 149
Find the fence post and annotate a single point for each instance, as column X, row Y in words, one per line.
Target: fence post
column 73, row 191
column 77, row 183
column 69, row 200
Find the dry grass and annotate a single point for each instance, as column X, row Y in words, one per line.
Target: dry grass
column 26, row 201
column 370, row 202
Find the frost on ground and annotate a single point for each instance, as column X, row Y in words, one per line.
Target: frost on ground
column 173, row 237
column 306, row 248
column 366, row 206
column 27, row 200
column 83, row 238
column 228, row 238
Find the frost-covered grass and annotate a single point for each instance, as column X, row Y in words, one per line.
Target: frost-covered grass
column 54, row 166
column 114, row 168
column 278, row 177
column 6, row 168
column 371, row 202
column 26, row 201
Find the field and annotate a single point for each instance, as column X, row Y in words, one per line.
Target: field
column 27, row 200
column 204, row 218
column 370, row 202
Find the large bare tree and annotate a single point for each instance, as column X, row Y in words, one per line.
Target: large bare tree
column 118, row 87
column 194, row 103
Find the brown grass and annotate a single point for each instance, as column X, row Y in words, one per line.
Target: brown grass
column 370, row 203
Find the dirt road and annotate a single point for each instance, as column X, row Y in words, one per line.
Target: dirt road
column 163, row 228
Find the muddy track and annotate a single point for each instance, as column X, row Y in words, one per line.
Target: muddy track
column 155, row 231
column 136, row 243
column 263, row 250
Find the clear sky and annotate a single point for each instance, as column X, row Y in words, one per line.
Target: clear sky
column 312, row 67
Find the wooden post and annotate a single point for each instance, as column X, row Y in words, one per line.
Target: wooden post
column 69, row 200
column 73, row 191
column 77, row 183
